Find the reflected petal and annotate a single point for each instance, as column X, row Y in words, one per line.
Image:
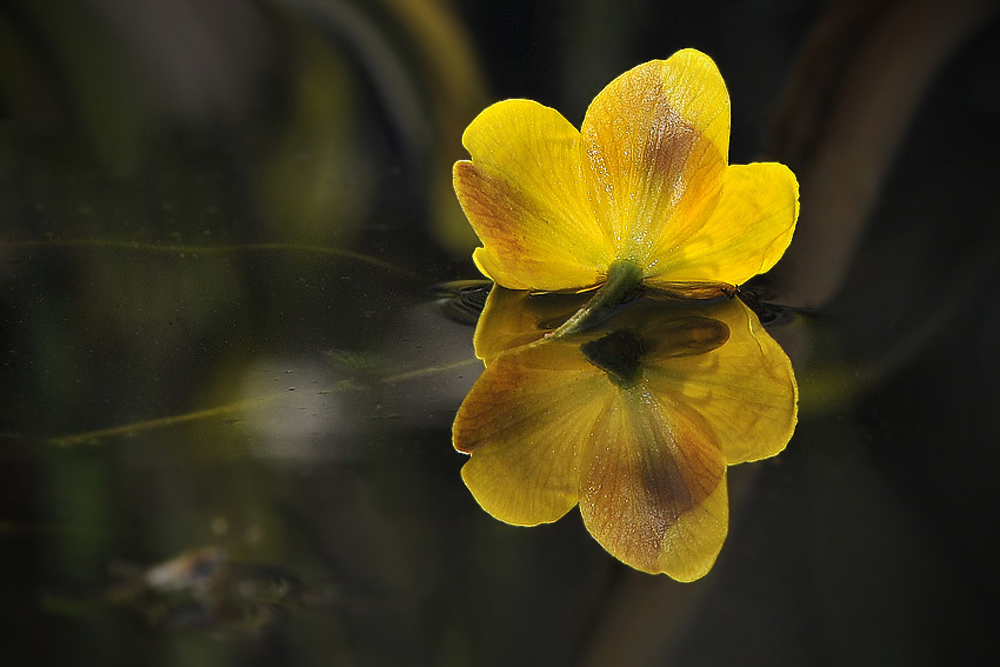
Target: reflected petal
column 636, row 418
column 653, row 492
column 746, row 233
column 745, row 389
column 526, row 422
column 512, row 318
column 655, row 145
column 525, row 196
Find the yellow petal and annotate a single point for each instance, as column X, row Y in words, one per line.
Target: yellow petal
column 691, row 547
column 514, row 318
column 653, row 492
column 745, row 234
column 655, row 145
column 525, row 196
column 525, row 423
column 745, row 389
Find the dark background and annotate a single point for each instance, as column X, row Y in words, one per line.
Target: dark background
column 179, row 183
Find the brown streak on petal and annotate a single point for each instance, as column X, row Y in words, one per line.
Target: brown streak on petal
column 484, row 200
column 648, row 163
column 505, row 398
column 655, row 468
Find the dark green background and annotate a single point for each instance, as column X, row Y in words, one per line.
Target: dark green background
column 145, row 156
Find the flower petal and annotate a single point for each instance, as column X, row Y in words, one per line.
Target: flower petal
column 655, row 143
column 513, row 318
column 745, row 389
column 746, row 233
column 526, row 422
column 525, row 196
column 654, row 489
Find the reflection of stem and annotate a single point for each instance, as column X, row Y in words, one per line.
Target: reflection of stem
column 195, row 251
column 238, row 406
column 621, row 286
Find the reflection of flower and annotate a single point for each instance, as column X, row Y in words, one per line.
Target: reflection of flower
column 635, row 420
column 644, row 184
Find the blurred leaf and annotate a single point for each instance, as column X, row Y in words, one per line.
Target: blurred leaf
column 319, row 181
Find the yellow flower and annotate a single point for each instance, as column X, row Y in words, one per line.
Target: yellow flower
column 643, row 188
column 635, row 420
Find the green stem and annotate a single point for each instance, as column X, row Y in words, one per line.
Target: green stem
column 622, row 284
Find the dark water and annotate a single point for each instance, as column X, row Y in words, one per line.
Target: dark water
column 228, row 387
